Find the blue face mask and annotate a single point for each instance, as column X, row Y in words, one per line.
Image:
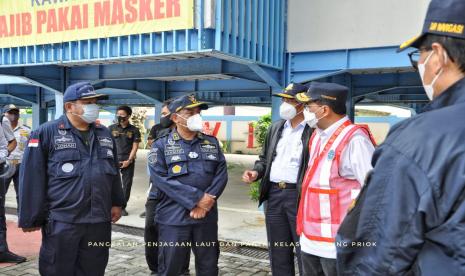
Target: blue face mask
column 91, row 112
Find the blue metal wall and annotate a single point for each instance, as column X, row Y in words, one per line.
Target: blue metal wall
column 251, row 30
column 234, row 57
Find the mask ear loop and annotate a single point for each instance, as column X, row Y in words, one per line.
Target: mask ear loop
column 183, row 118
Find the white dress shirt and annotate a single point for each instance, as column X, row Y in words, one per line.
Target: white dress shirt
column 355, row 164
column 286, row 164
column 3, row 147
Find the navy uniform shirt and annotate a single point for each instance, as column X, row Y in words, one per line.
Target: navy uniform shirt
column 124, row 138
column 184, row 171
column 64, row 179
column 154, row 193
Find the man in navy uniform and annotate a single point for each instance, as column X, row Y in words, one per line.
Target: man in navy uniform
column 70, row 187
column 190, row 170
column 409, row 218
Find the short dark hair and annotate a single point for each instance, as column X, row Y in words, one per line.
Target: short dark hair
column 455, row 47
column 125, row 108
column 339, row 109
column 167, row 102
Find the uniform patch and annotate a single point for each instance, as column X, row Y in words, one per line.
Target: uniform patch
column 152, row 157
column 65, row 146
column 173, row 150
column 208, row 148
column 64, row 139
column 62, row 131
column 115, row 133
column 212, row 157
column 33, row 143
column 64, row 142
column 176, row 136
column 171, row 141
column 193, row 155
column 105, row 142
column 175, row 158
column 67, row 167
column 176, row 169
column 129, row 134
column 331, row 155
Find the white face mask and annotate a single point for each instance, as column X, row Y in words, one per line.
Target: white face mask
column 91, row 112
column 310, row 118
column 194, row 122
column 429, row 89
column 287, row 111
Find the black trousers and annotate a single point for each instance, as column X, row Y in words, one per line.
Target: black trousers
column 151, row 238
column 74, row 249
column 176, row 243
column 15, row 179
column 280, row 218
column 151, row 235
column 127, row 175
column 316, row 266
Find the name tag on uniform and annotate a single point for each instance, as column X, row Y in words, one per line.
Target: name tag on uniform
column 175, row 149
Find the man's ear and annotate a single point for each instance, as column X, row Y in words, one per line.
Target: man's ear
column 442, row 57
column 67, row 106
column 174, row 117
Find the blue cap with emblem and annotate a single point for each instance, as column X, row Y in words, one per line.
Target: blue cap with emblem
column 444, row 17
column 291, row 90
column 332, row 93
column 186, row 101
column 81, row 91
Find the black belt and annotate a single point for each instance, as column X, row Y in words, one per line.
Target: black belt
column 283, row 185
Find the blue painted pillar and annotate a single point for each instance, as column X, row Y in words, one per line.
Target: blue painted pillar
column 39, row 112
column 229, row 125
column 275, row 104
column 58, row 105
column 350, row 104
column 157, row 115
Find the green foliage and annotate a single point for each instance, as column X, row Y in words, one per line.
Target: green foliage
column 254, row 191
column 261, row 127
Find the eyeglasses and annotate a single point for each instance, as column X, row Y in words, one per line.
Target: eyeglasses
column 414, row 58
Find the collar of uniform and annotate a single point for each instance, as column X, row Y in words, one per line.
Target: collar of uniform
column 453, row 94
column 332, row 128
column 120, row 126
column 174, row 135
column 63, row 122
column 288, row 124
column 19, row 126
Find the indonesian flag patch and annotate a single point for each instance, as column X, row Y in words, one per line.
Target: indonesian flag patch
column 33, row 143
